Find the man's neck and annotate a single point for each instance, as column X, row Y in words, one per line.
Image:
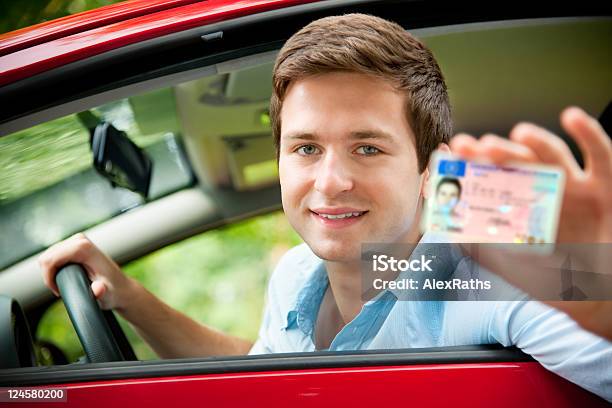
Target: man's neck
column 346, row 285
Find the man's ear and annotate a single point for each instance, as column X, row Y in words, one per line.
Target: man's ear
column 425, row 189
column 443, row 147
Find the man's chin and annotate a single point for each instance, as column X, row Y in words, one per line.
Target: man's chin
column 336, row 252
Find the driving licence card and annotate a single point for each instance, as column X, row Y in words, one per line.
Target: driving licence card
column 473, row 201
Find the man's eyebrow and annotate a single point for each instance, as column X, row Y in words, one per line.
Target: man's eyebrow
column 300, row 136
column 359, row 135
column 372, row 134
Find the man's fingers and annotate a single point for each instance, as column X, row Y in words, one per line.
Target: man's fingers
column 531, row 143
column 98, row 288
column 593, row 141
column 73, row 250
column 47, row 279
column 45, row 261
column 464, row 145
column 548, row 147
column 76, row 249
column 492, row 148
column 500, row 150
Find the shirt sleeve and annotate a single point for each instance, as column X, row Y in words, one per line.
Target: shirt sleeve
column 264, row 344
column 282, row 288
column 557, row 342
column 260, row 347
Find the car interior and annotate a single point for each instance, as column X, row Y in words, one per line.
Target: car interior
column 206, row 131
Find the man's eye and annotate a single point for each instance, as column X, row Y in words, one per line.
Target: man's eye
column 367, row 150
column 307, row 150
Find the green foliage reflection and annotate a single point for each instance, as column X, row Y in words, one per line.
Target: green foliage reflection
column 18, row 13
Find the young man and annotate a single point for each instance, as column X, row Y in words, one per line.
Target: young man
column 358, row 107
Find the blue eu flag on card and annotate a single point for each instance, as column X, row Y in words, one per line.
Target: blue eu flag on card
column 454, row 168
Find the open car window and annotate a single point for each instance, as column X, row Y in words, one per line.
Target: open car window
column 211, row 129
column 212, row 220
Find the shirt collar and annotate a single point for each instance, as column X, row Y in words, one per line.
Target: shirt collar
column 305, row 307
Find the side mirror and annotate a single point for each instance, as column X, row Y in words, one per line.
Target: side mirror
column 120, row 160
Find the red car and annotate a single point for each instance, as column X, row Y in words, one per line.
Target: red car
column 209, row 64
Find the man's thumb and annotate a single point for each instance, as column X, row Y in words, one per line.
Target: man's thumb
column 98, row 288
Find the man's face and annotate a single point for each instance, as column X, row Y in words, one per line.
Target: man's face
column 448, row 194
column 348, row 165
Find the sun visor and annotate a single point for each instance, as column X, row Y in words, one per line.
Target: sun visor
column 251, row 160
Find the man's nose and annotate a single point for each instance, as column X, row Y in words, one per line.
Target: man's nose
column 333, row 175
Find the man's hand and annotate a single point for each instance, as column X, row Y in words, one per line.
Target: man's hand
column 586, row 214
column 109, row 284
column 170, row 333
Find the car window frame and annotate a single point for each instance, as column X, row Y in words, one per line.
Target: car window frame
column 105, row 90
column 113, row 371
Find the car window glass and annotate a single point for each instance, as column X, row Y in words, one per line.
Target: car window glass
column 49, row 189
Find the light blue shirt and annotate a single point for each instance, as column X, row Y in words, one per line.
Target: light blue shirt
column 300, row 280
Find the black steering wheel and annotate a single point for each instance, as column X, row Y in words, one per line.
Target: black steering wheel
column 98, row 330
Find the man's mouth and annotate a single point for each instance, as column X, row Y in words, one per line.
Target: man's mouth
column 341, row 216
column 338, row 217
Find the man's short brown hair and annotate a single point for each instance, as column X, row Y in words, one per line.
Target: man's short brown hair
column 369, row 45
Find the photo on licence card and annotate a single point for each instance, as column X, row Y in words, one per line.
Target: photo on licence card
column 471, row 201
